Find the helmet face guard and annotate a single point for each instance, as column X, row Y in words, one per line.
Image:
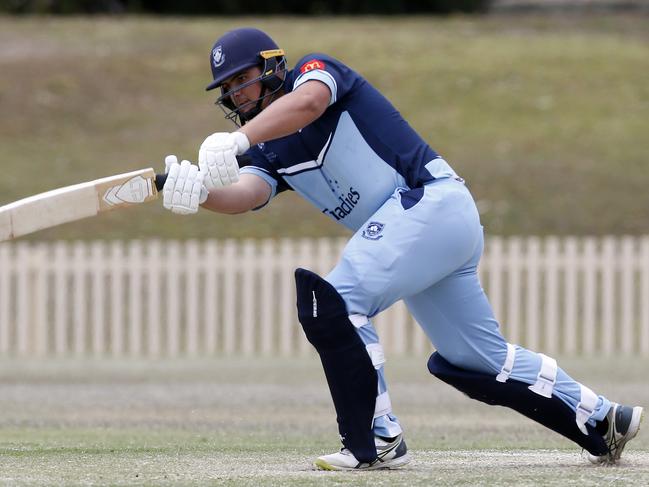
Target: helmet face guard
column 233, row 53
column 274, row 64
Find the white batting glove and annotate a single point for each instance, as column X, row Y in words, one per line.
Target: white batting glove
column 183, row 191
column 217, row 158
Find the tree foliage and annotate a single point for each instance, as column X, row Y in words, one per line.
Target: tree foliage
column 243, row 7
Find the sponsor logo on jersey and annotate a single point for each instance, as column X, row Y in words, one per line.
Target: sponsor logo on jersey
column 373, row 231
column 218, row 58
column 311, row 65
column 347, row 204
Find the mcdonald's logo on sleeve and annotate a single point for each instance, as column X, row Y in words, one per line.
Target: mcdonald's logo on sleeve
column 311, row 65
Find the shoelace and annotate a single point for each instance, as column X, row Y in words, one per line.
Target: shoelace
column 612, row 446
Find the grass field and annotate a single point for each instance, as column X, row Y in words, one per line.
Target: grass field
column 261, row 422
column 546, row 117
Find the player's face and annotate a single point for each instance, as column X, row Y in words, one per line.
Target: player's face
column 247, row 96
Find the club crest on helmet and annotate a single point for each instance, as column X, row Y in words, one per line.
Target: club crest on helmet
column 218, row 58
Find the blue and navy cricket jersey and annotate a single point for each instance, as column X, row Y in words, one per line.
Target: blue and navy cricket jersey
column 352, row 159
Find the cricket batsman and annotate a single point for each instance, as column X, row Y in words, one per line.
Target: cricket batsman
column 323, row 131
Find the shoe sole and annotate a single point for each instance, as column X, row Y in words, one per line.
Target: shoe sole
column 387, row 465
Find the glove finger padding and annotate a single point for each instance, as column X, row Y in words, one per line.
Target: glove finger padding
column 190, row 179
column 217, row 158
column 170, row 183
column 183, row 191
column 169, row 161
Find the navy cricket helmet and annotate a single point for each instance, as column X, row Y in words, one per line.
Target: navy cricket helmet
column 236, row 51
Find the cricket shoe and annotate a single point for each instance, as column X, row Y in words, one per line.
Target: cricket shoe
column 391, row 453
column 623, row 425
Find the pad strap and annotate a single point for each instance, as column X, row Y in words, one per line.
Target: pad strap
column 383, row 405
column 586, row 407
column 508, row 366
column 547, row 377
column 375, row 351
column 358, row 320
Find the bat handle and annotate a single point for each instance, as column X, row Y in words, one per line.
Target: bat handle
column 160, row 179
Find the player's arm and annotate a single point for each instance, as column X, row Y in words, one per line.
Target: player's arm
column 289, row 113
column 248, row 193
column 285, row 116
column 184, row 190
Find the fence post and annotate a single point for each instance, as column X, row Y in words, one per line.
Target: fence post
column 154, row 265
column 173, row 275
column 40, row 268
column 248, row 297
column 134, row 261
column 192, row 296
column 627, row 293
column 286, row 311
column 211, row 262
column 98, row 287
column 79, row 300
column 644, row 296
column 514, row 294
column 609, row 266
column 61, row 292
column 551, row 265
column 533, row 258
column 23, row 314
column 6, row 271
column 268, row 263
column 571, row 270
column 116, row 272
column 230, row 270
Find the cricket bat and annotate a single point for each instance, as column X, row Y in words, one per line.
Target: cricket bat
column 80, row 201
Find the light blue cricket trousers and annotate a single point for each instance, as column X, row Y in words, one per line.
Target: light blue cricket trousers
column 428, row 256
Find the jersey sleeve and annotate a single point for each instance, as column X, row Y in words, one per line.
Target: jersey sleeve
column 337, row 76
column 262, row 165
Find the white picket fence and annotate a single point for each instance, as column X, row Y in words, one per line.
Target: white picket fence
column 172, row 299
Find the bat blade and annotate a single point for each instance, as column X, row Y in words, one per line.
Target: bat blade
column 76, row 202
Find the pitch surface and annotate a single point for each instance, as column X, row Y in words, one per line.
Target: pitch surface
column 262, row 421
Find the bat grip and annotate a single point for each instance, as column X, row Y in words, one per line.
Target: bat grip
column 160, row 179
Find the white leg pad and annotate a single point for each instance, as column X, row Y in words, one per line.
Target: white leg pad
column 547, row 377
